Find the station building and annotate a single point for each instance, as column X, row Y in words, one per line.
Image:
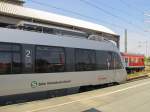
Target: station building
column 14, row 14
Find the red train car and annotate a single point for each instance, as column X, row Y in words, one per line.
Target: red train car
column 133, row 62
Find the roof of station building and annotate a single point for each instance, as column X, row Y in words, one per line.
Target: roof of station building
column 23, row 12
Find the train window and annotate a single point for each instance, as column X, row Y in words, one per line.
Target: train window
column 110, row 60
column 16, row 48
column 16, row 63
column 70, row 59
column 5, row 47
column 5, row 63
column 10, row 59
column 49, row 59
column 104, row 60
column 85, row 60
column 48, row 30
column 126, row 60
column 141, row 60
column 117, row 61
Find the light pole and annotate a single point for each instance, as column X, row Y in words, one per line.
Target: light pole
column 125, row 41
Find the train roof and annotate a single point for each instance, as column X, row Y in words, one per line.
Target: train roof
column 29, row 13
column 132, row 54
column 13, row 36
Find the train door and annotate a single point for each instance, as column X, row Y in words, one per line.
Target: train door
column 28, row 58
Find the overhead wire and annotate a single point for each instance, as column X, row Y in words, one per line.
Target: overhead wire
column 106, row 12
column 75, row 13
column 103, row 10
column 79, row 14
column 131, row 6
column 116, row 9
column 113, row 15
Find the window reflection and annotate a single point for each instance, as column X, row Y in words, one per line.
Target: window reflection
column 49, row 59
column 5, row 62
column 16, row 63
column 10, row 59
column 85, row 60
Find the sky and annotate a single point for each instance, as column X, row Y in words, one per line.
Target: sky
column 117, row 15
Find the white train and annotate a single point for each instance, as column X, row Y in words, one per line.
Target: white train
column 36, row 63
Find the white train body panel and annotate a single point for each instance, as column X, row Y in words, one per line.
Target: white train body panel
column 26, row 83
column 11, row 84
column 26, row 37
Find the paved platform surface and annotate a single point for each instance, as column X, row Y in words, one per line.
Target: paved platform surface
column 129, row 97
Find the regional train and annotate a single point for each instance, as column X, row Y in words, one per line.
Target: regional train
column 133, row 62
column 33, row 64
column 41, row 61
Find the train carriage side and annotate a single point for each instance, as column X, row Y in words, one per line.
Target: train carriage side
column 33, row 63
column 133, row 62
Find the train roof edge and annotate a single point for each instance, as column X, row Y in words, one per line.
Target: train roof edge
column 131, row 54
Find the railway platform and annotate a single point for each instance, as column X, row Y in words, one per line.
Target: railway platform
column 128, row 97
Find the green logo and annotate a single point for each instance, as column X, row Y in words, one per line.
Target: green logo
column 34, row 84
